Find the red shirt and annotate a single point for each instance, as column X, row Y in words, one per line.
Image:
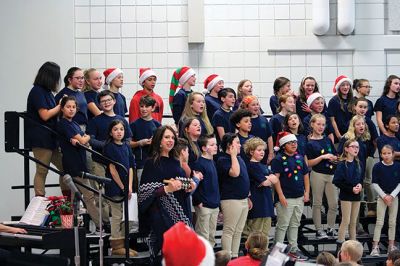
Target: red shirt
column 244, row 261
column 134, row 112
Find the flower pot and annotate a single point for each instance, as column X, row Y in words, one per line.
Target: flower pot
column 67, row 220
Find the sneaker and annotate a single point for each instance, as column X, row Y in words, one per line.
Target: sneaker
column 298, row 255
column 321, row 234
column 391, row 248
column 332, row 232
column 375, row 252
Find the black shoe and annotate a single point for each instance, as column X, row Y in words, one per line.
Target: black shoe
column 332, row 232
column 298, row 255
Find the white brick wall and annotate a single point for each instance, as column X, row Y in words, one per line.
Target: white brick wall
column 255, row 39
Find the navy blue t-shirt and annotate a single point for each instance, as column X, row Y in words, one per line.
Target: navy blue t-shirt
column 342, row 116
column 275, row 123
column 274, row 104
column 122, row 154
column 91, row 97
column 142, row 129
column 370, row 111
column 362, row 152
column 120, row 104
column 383, row 140
column 386, row 105
column 260, row 128
column 261, row 196
column 38, row 137
column 232, row 187
column 328, row 125
column 202, row 125
column 178, row 104
column 318, row 147
column 208, row 190
column 347, row 176
column 301, row 144
column 81, row 114
column 374, row 135
column 243, row 140
column 74, row 157
column 213, row 104
column 292, row 170
column 221, row 118
column 386, row 176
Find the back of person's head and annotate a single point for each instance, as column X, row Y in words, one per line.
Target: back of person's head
column 256, row 245
column 397, row 262
column 393, row 256
column 222, row 258
column 181, row 144
column 346, row 263
column 48, row 76
column 326, row 258
column 353, row 249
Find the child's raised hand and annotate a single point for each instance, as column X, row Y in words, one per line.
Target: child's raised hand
column 233, row 150
column 305, row 108
column 198, row 174
column 74, row 141
column 273, row 179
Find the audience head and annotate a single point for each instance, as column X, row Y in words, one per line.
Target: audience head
column 393, row 256
column 222, row 258
column 351, row 251
column 256, row 245
column 326, row 259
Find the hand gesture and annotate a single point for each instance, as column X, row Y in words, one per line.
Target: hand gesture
column 16, row 230
column 233, row 150
column 388, row 199
column 172, row 185
column 74, row 141
column 305, row 108
column 192, row 187
column 250, row 203
column 198, row 174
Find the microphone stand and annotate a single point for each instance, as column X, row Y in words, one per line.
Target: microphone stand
column 101, row 243
column 77, row 257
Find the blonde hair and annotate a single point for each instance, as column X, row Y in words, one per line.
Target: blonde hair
column 353, row 248
column 351, row 131
column 256, row 245
column 188, row 111
column 239, row 88
column 283, row 99
column 326, row 258
column 252, row 144
column 86, row 74
column 313, row 119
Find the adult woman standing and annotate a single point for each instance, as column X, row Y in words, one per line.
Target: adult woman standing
column 162, row 199
column 43, row 109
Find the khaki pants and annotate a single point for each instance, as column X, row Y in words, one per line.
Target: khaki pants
column 262, row 225
column 321, row 183
column 88, row 199
column 117, row 226
column 99, row 170
column 371, row 195
column 380, row 218
column 235, row 215
column 350, row 210
column 206, row 223
column 46, row 156
column 288, row 219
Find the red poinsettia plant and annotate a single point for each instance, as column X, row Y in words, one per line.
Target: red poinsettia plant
column 59, row 205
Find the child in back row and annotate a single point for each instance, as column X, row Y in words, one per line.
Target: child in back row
column 293, row 190
column 348, row 178
column 292, row 124
column 286, row 104
column 206, row 197
column 242, row 121
column 386, row 183
column 114, row 80
column 142, row 132
column 220, row 119
column 261, row 181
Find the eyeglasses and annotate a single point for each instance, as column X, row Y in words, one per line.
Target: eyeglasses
column 366, row 86
column 354, row 146
column 79, row 78
column 106, row 100
column 292, row 142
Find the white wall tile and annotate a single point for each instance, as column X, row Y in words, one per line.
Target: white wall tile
column 83, row 60
column 221, row 59
column 128, row 45
column 114, row 60
column 266, row 12
column 128, row 2
column 251, row 28
column 297, row 11
column 206, row 60
column 368, row 11
column 371, row 72
column 98, row 45
column 193, row 58
column 143, row 13
column 267, row 74
column 98, row 30
column 97, row 14
column 144, row 45
column 236, row 44
column 267, row 59
column 297, row 27
column 308, row 10
column 251, row 59
column 113, row 46
column 143, row 29
column 235, row 28
column 235, row 12
column 252, row 44
column 296, row 75
column 98, row 60
column 82, row 46
column 159, row 13
column 345, row 58
column 160, row 60
column 177, row 44
column 329, row 73
column 267, row 27
column 283, row 72
column 113, row 2
column 158, row 2
column 282, row 28
column 128, row 61
column 236, row 74
column 297, row 59
column 128, row 29
column 82, row 2
column 160, row 45
column 113, row 14
column 329, row 59
column 313, row 58
column 177, row 29
column 315, row 72
column 346, row 70
column 82, row 14
column 159, row 29
column 369, row 58
column 176, row 13
column 252, row 73
column 97, row 2
column 128, row 14
column 282, row 59
column 250, row 12
column 214, row 44
column 82, row 30
column 281, row 11
column 113, row 30
column 215, row 12
column 236, row 59
column 175, row 60
column 370, row 26
column 144, row 60
column 392, row 70
column 393, row 58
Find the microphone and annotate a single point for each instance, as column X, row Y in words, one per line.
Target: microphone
column 70, row 183
column 96, row 178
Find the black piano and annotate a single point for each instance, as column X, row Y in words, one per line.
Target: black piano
column 47, row 239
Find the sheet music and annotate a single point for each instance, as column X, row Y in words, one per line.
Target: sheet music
column 36, row 212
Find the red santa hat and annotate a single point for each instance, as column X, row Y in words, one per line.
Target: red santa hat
column 211, row 81
column 182, row 247
column 313, row 97
column 282, row 138
column 110, row 74
column 339, row 80
column 145, row 73
column 179, row 77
